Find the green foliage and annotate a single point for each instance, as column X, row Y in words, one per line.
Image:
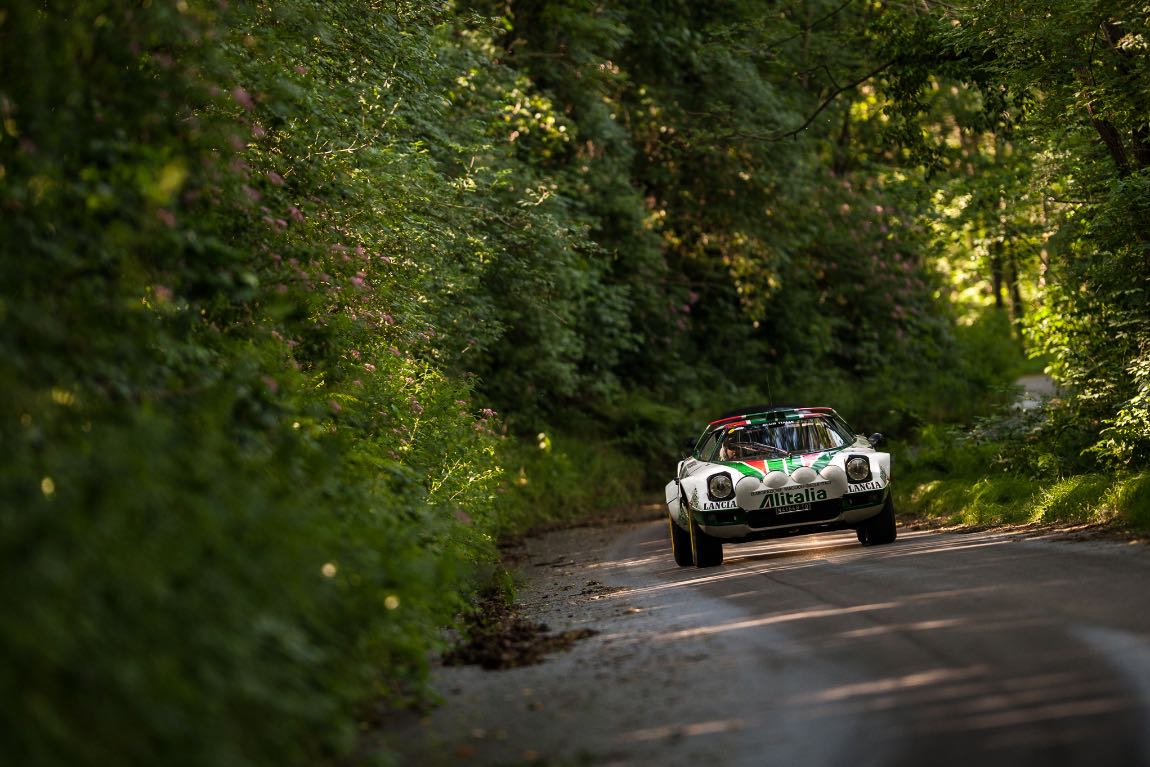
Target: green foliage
column 1012, row 476
column 239, row 496
column 562, row 477
column 267, row 270
column 1051, row 181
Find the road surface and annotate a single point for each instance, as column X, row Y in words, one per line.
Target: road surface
column 977, row 649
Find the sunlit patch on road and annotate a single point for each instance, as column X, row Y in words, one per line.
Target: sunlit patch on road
column 688, row 730
column 776, row 619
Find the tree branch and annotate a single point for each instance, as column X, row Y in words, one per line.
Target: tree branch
column 780, row 135
column 809, row 27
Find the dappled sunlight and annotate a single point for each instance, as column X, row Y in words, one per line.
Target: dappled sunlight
column 912, row 639
column 781, row 555
column 978, row 699
column 689, row 730
column 900, row 628
column 775, row 619
column 931, row 678
column 943, row 629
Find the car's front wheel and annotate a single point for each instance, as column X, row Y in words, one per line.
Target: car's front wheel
column 680, row 545
column 706, row 550
column 880, row 528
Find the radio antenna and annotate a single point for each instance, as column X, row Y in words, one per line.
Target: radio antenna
column 770, row 399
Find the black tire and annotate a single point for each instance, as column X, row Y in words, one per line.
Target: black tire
column 880, row 528
column 680, row 545
column 706, row 550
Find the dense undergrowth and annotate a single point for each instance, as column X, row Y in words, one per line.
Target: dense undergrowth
column 1010, row 469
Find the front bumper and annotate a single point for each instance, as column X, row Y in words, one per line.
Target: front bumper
column 737, row 524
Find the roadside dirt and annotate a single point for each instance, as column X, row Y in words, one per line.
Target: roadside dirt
column 499, row 637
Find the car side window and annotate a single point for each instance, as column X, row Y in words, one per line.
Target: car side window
column 711, row 445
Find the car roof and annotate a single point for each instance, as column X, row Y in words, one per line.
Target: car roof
column 769, row 413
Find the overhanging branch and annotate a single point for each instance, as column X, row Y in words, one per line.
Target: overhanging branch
column 780, row 135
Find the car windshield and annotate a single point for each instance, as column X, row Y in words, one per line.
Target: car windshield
column 755, row 441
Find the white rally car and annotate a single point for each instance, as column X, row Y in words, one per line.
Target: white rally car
column 776, row 471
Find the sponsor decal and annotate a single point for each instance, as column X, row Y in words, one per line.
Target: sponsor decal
column 862, row 487
column 695, row 498
column 822, row 461
column 684, row 520
column 715, row 505
column 791, row 488
column 761, row 467
column 882, row 474
column 743, row 468
column 779, row 498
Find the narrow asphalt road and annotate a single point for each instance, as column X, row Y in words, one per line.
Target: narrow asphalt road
column 981, row 649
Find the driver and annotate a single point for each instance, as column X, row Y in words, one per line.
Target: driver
column 730, row 449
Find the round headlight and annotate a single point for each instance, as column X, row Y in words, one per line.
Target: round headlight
column 720, row 486
column 858, row 469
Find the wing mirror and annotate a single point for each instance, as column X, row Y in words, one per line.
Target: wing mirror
column 875, row 439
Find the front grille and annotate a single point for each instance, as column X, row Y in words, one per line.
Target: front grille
column 869, row 498
column 727, row 517
column 820, row 511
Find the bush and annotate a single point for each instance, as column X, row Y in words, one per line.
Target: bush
column 561, row 478
column 238, row 498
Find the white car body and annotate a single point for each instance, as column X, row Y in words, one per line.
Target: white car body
column 799, row 487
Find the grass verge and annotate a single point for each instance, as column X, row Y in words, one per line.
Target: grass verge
column 1121, row 501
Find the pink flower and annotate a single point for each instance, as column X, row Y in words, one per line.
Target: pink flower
column 369, row 367
column 252, row 194
column 243, row 98
column 162, row 293
column 167, row 217
column 335, row 406
column 295, row 213
column 275, row 178
column 271, row 383
column 258, row 131
column 301, row 70
column 415, row 406
column 357, row 281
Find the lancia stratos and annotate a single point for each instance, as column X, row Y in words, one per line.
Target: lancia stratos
column 771, row 472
